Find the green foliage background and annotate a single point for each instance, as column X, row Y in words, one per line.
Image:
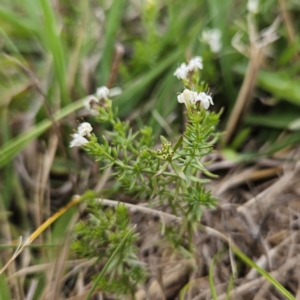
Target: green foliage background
column 55, row 53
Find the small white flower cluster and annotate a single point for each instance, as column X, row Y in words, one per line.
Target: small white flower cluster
column 84, row 129
column 91, row 101
column 194, row 64
column 188, row 98
column 212, row 37
column 253, row 6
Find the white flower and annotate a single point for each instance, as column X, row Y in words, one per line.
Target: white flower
column 213, row 38
column 181, row 71
column 88, row 103
column 252, row 6
column 78, row 140
column 195, row 63
column 84, row 128
column 206, row 100
column 102, row 92
column 187, row 97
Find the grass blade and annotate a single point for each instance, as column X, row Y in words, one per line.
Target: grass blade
column 129, row 99
column 14, row 146
column 211, row 279
column 51, row 39
column 40, row 230
column 112, row 26
column 262, row 272
column 122, row 243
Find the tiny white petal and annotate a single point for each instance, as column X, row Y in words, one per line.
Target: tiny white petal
column 78, row 140
column 84, row 128
column 187, row 97
column 205, row 103
column 206, row 100
column 102, row 92
column 210, row 99
column 193, row 96
column 213, row 38
column 180, row 98
column 195, row 63
column 181, row 72
column 252, row 6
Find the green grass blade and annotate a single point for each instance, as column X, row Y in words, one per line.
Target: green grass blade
column 229, row 287
column 211, row 279
column 273, row 121
column 11, row 148
column 122, row 243
column 52, row 41
column 4, row 289
column 112, row 26
column 216, row 10
column 19, row 26
column 166, row 99
column 130, row 98
column 262, row 272
column 291, row 139
column 279, row 84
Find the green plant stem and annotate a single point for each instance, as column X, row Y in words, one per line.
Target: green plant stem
column 122, row 243
column 211, row 279
column 262, row 272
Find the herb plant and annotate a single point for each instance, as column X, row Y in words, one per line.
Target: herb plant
column 170, row 175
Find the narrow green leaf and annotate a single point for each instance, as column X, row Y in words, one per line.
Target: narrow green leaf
column 279, row 84
column 51, row 39
column 4, row 289
column 200, row 180
column 272, row 121
column 162, row 169
column 133, row 89
column 178, row 143
column 112, row 25
column 211, row 279
column 219, row 21
column 14, row 146
column 229, row 287
column 178, row 171
column 163, row 140
column 21, row 26
column 241, row 137
column 262, row 272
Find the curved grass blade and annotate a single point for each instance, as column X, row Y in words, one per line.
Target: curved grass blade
column 14, row 146
column 112, row 25
column 40, row 229
column 52, row 41
column 211, row 279
column 262, row 272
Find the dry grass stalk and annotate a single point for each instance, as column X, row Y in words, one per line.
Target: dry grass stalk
column 267, row 197
column 250, row 174
column 38, row 231
column 256, row 52
column 288, row 22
